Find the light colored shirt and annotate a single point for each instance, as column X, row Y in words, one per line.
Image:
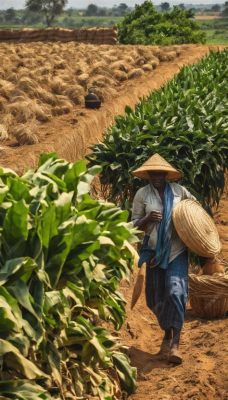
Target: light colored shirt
column 147, row 199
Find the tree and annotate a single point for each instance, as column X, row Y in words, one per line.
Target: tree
column 165, row 6
column 216, row 8
column 122, row 8
column 181, row 6
column 92, row 10
column 49, row 8
column 225, row 10
column 145, row 25
column 10, row 15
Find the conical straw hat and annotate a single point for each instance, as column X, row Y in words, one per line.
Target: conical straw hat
column 196, row 228
column 157, row 163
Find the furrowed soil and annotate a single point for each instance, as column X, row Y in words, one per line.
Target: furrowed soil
column 204, row 346
column 71, row 134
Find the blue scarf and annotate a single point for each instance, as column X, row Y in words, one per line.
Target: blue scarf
column 163, row 246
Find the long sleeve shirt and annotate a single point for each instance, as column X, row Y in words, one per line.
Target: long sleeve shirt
column 147, row 199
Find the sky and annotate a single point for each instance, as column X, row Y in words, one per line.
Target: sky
column 4, row 4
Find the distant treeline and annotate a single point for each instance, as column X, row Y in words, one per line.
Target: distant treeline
column 91, row 16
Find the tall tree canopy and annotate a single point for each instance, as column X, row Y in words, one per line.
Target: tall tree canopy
column 49, row 8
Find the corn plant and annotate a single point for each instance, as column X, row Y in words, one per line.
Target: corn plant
column 185, row 122
column 62, row 257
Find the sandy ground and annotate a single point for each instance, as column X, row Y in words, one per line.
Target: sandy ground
column 203, row 374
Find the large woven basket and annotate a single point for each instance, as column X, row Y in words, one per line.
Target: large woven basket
column 196, row 228
column 208, row 295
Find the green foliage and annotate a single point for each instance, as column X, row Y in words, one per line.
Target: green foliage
column 50, row 9
column 62, row 256
column 144, row 25
column 185, row 122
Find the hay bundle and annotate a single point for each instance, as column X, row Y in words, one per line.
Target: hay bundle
column 101, row 81
column 110, row 59
column 57, row 86
column 128, row 60
column 120, row 65
column 147, row 67
column 24, row 135
column 25, row 110
column 3, row 132
column 21, row 111
column 167, row 56
column 83, row 79
column 64, row 107
column 75, row 93
column 135, row 73
column 12, row 77
column 28, row 85
column 120, row 75
column 46, row 97
column 41, row 113
column 60, row 65
column 3, row 103
column 17, row 95
column 140, row 61
column 101, row 69
column 5, row 88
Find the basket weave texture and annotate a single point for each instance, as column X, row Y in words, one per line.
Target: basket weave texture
column 196, row 228
column 208, row 295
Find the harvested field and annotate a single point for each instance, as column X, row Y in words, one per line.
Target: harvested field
column 40, row 81
column 42, row 88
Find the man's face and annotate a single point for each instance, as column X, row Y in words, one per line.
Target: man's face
column 157, row 178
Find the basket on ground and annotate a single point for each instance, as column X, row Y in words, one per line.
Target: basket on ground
column 209, row 295
column 196, row 228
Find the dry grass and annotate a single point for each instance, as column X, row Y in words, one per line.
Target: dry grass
column 25, row 135
column 39, row 81
column 3, row 132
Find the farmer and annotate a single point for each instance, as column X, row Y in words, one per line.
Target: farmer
column 163, row 251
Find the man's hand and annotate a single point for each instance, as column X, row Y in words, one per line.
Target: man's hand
column 154, row 216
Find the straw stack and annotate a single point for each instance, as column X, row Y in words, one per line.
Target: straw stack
column 196, row 228
column 91, row 35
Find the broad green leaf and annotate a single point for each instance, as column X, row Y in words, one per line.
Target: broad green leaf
column 14, row 359
column 15, row 224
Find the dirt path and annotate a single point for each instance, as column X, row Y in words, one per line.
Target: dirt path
column 72, row 135
column 203, row 374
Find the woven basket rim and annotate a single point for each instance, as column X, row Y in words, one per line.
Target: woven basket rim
column 196, row 228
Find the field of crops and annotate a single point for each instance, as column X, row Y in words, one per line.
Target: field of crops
column 40, row 82
column 63, row 255
column 185, row 121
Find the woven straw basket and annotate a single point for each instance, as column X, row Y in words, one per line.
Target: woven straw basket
column 196, row 228
column 208, row 295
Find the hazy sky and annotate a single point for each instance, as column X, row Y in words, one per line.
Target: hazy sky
column 4, row 4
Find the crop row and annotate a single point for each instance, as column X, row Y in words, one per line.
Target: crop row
column 185, row 122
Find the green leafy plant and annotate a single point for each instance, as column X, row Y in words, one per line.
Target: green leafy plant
column 185, row 122
column 145, row 25
column 62, row 257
